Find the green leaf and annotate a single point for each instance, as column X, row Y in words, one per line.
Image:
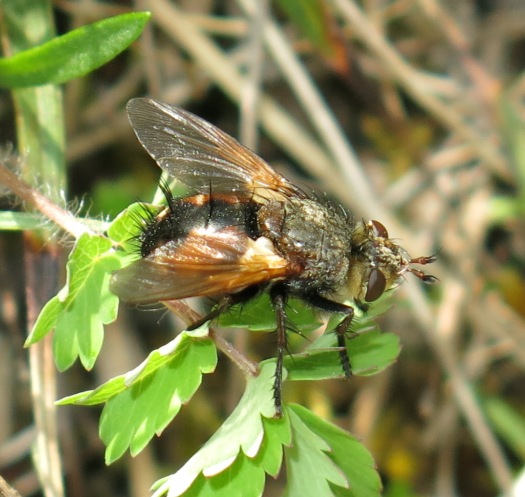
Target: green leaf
column 142, row 402
column 308, row 467
column 325, row 460
column 311, row 18
column 508, row 422
column 240, row 439
column 244, row 477
column 127, row 226
column 17, row 221
column 83, row 306
column 73, row 54
column 369, row 353
column 154, row 398
column 258, row 315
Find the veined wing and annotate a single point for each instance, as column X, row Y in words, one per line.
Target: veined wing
column 201, row 155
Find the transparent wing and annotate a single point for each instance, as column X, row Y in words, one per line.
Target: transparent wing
column 200, row 155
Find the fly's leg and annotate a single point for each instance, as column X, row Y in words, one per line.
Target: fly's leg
column 342, row 328
column 224, row 304
column 278, row 297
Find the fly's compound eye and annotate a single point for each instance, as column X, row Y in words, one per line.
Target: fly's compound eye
column 376, row 285
column 379, row 229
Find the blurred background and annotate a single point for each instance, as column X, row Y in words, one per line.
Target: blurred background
column 406, row 111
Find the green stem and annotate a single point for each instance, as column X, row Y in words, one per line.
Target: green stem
column 40, row 136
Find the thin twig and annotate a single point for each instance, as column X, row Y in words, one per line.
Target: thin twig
column 189, row 316
column 40, row 202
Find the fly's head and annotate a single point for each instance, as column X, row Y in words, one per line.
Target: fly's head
column 378, row 263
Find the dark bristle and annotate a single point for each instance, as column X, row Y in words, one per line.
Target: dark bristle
column 142, row 221
column 168, row 195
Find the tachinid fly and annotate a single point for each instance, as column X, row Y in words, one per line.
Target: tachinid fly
column 247, row 229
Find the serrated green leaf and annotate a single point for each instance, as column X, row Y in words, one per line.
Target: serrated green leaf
column 141, row 403
column 87, row 302
column 158, row 358
column 325, row 460
column 244, row 477
column 83, row 306
column 242, row 431
column 276, row 434
column 45, row 321
column 73, row 54
column 309, row 470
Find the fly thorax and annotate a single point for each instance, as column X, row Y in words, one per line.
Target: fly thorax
column 310, row 234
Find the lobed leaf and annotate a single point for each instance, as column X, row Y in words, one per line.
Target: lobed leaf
column 258, row 315
column 142, row 402
column 325, row 460
column 240, row 451
column 83, row 306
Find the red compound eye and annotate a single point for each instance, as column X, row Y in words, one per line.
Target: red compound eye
column 376, row 285
column 379, row 229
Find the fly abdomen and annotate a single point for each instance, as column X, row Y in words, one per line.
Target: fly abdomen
column 197, row 213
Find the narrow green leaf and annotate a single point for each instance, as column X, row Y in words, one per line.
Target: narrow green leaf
column 73, row 54
column 311, row 19
column 18, row 221
column 325, row 460
column 316, row 21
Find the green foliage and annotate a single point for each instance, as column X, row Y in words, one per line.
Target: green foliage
column 243, row 432
column 369, row 353
column 321, row 459
column 142, row 402
column 80, row 310
column 325, row 460
column 258, row 315
column 73, row 54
